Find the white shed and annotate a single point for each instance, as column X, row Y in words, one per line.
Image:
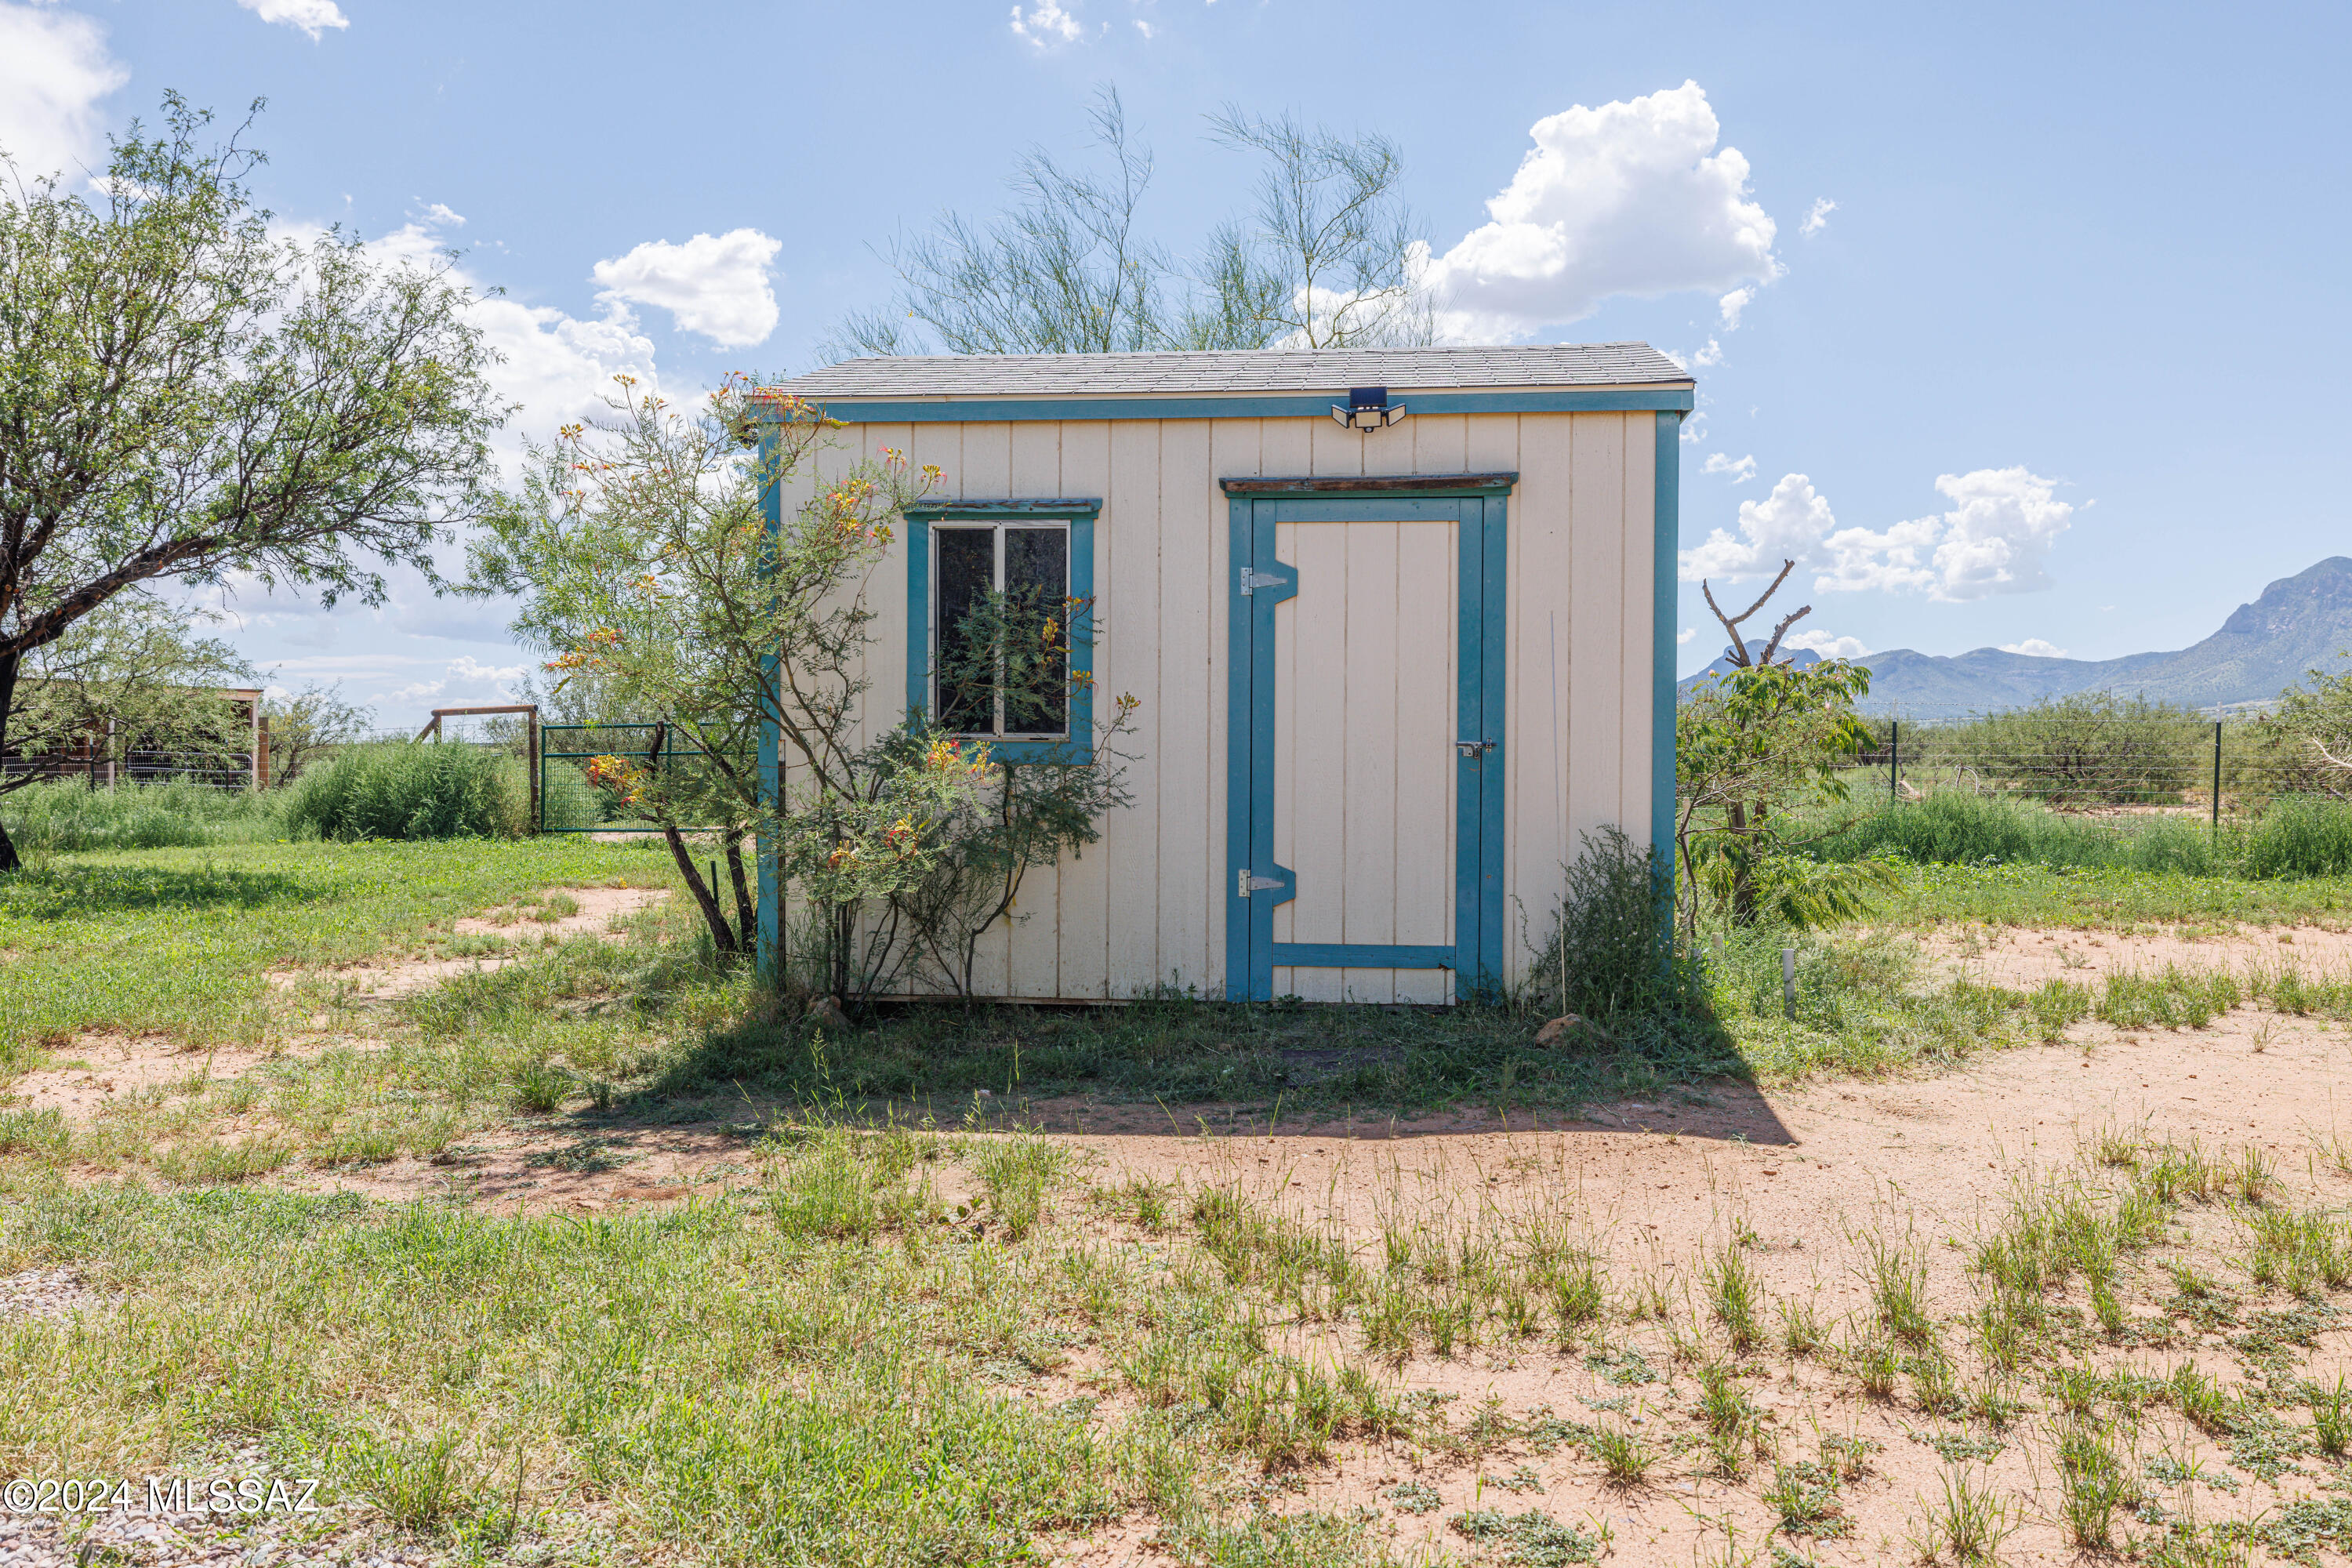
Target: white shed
column 1401, row 622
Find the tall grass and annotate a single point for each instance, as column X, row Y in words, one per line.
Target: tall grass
column 405, row 789
column 68, row 814
column 2297, row 837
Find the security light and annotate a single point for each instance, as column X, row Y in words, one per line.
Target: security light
column 1367, row 409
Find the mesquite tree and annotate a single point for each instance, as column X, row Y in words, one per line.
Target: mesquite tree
column 647, row 571
column 184, row 397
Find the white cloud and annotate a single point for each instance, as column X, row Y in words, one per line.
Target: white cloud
column 1788, row 524
column 1629, row 198
column 1145, row 29
column 716, row 285
column 1694, row 427
column 1741, row 469
column 1045, row 24
column 1826, row 645
column 2034, row 648
column 313, row 16
column 1685, row 636
column 54, row 69
column 1817, row 217
column 442, row 217
column 466, row 668
column 1711, row 354
column 1731, row 304
column 1995, row 538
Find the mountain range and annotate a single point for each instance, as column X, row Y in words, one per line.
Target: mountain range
column 2297, row 623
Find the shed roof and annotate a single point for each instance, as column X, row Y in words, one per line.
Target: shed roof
column 1253, row 371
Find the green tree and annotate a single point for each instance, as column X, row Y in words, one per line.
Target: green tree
column 183, row 397
column 309, row 725
column 1751, row 743
column 1324, row 257
column 130, row 676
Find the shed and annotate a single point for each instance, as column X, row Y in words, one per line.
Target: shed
column 1401, row 623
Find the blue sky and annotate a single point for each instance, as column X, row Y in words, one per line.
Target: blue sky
column 2058, row 368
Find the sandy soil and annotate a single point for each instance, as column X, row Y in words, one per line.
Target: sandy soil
column 100, row 1069
column 602, row 910
column 2025, row 957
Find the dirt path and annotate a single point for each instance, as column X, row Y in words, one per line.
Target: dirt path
column 2023, row 957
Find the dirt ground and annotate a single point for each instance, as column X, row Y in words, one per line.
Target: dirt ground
column 2023, row 957
column 1808, row 1173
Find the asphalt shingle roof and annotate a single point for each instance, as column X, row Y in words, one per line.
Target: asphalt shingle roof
column 1249, row 371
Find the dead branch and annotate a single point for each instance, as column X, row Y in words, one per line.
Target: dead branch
column 1738, row 649
column 1790, row 619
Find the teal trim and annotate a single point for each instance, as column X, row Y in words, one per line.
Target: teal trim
column 1251, row 953
column 1080, row 511
column 1313, row 405
column 768, row 865
column 1665, row 530
column 1360, row 955
column 1240, row 800
column 1494, row 668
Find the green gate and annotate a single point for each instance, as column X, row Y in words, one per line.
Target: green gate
column 647, row 745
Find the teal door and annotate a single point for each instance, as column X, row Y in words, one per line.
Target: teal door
column 1365, row 722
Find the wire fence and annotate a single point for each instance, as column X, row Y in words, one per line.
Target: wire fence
column 2122, row 770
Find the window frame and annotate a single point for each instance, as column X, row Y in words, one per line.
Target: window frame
column 1077, row 516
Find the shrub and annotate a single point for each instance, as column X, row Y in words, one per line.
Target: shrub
column 2302, row 837
column 1610, row 935
column 68, row 814
column 408, row 789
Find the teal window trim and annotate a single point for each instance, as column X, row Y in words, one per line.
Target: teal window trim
column 1251, row 953
column 1311, row 406
column 1079, row 513
column 1665, row 531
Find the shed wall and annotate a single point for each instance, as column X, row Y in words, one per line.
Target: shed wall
column 1144, row 906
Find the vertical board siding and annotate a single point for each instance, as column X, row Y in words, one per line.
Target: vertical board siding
column 1127, row 565
column 1192, row 706
column 1366, row 700
column 1082, row 880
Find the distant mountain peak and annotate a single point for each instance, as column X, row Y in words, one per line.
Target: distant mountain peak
column 2295, row 625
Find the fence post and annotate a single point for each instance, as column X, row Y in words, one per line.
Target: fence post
column 1893, row 762
column 538, row 798
column 2216, row 781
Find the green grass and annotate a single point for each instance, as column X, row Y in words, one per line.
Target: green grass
column 63, row 816
column 181, row 941
column 2031, row 895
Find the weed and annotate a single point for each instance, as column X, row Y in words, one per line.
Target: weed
column 1416, row 1496
column 1732, row 1288
column 1626, row 1458
column 2331, row 1418
column 1804, row 1500
column 2093, row 1484
column 1801, row 1328
column 1970, row 1521
column 1526, row 1539
column 1897, row 1276
column 1016, row 1170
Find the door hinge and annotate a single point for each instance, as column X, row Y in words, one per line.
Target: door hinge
column 1253, row 581
column 1472, row 749
column 1246, row 884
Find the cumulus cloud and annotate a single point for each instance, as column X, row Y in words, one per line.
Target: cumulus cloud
column 1711, row 354
column 716, row 285
column 1995, row 538
column 1045, row 24
column 1731, row 304
column 1741, row 469
column 54, row 69
column 441, row 216
column 1826, row 645
column 1685, row 635
column 1145, row 29
column 312, row 17
column 1633, row 197
column 1786, row 525
column 2034, row 648
column 1817, row 217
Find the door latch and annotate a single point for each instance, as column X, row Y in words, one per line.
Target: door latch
column 1247, row 884
column 1472, row 750
column 1253, row 581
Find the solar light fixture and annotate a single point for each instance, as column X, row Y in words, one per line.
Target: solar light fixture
column 1367, row 409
